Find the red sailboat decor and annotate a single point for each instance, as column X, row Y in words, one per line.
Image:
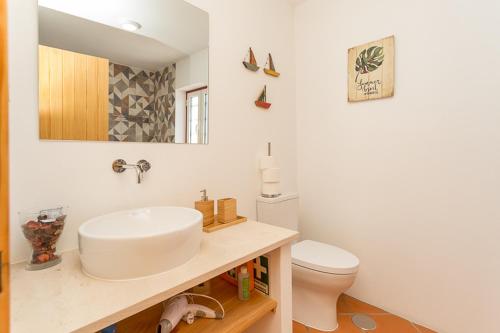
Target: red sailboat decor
column 261, row 102
column 251, row 64
column 271, row 70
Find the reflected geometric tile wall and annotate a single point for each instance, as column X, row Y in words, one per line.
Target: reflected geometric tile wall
column 141, row 104
column 164, row 105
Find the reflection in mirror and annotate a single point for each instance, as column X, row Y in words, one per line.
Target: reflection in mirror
column 128, row 71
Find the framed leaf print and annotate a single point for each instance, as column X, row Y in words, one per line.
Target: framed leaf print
column 371, row 70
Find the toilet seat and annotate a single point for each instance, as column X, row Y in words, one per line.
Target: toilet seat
column 324, row 258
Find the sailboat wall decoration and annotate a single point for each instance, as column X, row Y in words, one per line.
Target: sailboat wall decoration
column 271, row 70
column 251, row 64
column 262, row 101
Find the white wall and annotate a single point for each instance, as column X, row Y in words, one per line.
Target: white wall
column 192, row 70
column 180, row 116
column 409, row 184
column 191, row 73
column 78, row 174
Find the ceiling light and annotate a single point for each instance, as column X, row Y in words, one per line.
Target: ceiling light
column 130, row 26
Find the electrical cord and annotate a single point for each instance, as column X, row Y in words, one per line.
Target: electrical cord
column 192, row 295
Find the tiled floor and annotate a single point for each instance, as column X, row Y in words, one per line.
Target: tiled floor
column 386, row 322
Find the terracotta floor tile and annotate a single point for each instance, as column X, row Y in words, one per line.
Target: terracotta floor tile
column 348, row 304
column 385, row 324
column 345, row 326
column 422, row 329
column 299, row 328
column 392, row 324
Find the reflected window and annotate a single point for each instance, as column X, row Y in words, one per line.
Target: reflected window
column 197, row 116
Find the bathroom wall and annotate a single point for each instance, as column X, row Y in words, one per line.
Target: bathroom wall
column 191, row 73
column 131, row 103
column 141, row 104
column 164, row 98
column 78, row 174
column 409, row 184
column 192, row 70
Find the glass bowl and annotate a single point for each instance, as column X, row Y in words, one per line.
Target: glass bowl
column 42, row 230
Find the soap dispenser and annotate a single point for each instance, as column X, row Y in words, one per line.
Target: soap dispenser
column 206, row 207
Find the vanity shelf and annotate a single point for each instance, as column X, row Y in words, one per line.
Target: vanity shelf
column 105, row 303
column 240, row 315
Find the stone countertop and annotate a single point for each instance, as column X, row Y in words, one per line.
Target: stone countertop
column 63, row 299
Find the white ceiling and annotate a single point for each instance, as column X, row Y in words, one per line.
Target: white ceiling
column 88, row 37
column 171, row 29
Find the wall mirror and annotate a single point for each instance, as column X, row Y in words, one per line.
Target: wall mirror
column 123, row 70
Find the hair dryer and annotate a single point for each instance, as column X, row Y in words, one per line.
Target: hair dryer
column 178, row 308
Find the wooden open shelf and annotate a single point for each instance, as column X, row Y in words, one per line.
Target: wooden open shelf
column 240, row 315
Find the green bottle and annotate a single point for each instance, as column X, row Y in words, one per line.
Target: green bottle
column 243, row 284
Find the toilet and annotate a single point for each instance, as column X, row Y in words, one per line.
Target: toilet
column 320, row 272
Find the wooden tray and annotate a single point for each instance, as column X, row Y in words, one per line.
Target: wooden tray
column 217, row 226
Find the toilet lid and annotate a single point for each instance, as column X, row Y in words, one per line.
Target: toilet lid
column 324, row 258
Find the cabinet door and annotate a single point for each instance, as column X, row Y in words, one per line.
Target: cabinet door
column 73, row 95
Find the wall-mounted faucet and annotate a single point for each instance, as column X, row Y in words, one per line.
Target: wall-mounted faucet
column 142, row 166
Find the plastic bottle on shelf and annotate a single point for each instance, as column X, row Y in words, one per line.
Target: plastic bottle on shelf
column 243, row 284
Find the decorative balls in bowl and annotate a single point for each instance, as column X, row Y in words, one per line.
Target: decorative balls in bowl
column 42, row 230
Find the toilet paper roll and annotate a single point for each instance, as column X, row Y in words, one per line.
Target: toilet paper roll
column 271, row 175
column 267, row 162
column 271, row 189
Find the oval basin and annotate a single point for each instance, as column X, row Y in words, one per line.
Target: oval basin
column 140, row 242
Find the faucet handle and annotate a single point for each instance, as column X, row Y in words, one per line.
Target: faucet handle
column 144, row 165
column 119, row 165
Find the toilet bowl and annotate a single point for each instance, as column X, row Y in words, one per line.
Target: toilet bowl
column 320, row 274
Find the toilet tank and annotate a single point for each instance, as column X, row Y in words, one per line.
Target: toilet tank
column 282, row 211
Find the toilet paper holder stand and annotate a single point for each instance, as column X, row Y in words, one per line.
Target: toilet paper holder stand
column 267, row 183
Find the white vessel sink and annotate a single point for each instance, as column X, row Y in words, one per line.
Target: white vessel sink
column 141, row 242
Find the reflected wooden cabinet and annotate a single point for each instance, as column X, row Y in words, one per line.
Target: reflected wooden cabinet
column 73, row 95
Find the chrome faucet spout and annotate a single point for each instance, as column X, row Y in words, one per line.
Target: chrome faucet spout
column 142, row 166
column 139, row 174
